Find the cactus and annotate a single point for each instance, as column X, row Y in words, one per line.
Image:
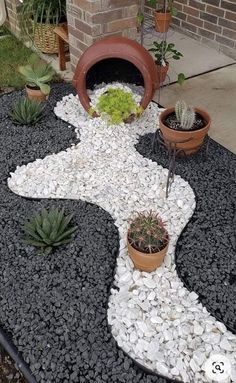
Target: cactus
column 185, row 115
column 26, row 112
column 37, row 73
column 49, row 229
column 188, row 118
column 180, row 106
column 147, row 233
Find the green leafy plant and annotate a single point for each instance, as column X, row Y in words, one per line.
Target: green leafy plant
column 26, row 112
column 117, row 106
column 164, row 52
column 185, row 115
column 37, row 73
column 49, row 229
column 166, row 6
column 147, row 233
column 42, row 12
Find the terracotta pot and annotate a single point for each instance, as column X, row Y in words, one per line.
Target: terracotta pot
column 121, row 48
column 35, row 94
column 147, row 262
column 162, row 72
column 162, row 21
column 195, row 137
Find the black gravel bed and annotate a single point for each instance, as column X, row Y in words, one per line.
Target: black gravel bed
column 206, row 250
column 54, row 307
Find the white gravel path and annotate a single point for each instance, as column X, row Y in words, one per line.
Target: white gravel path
column 153, row 317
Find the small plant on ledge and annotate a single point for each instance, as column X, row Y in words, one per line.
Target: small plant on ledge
column 147, row 241
column 116, row 106
column 163, row 53
column 49, row 229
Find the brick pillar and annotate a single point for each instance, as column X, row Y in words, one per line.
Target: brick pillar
column 13, row 18
column 91, row 20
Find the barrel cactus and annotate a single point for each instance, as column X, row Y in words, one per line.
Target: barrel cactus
column 147, row 233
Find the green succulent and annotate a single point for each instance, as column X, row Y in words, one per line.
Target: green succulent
column 26, row 112
column 49, row 229
column 117, row 105
column 37, row 73
column 147, row 233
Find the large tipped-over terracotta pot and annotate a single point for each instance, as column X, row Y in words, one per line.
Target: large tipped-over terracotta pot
column 120, row 48
column 193, row 138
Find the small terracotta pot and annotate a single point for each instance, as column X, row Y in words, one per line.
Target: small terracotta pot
column 36, row 94
column 162, row 72
column 146, row 262
column 162, row 21
column 195, row 137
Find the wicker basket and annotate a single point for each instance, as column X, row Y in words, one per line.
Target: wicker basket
column 45, row 39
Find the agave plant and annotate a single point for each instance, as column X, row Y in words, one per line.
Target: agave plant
column 147, row 233
column 49, row 229
column 37, row 73
column 185, row 115
column 26, row 112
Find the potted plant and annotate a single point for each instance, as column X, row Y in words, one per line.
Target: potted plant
column 147, row 240
column 164, row 52
column 163, row 14
column 39, row 19
column 185, row 127
column 37, row 75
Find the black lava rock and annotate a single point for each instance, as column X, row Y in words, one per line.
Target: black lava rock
column 55, row 306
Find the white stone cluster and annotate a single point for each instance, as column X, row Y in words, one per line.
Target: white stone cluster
column 153, row 317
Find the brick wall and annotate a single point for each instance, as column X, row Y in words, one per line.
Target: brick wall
column 13, row 19
column 213, row 22
column 91, row 20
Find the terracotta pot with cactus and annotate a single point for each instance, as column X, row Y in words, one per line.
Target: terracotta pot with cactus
column 147, row 240
column 185, row 127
